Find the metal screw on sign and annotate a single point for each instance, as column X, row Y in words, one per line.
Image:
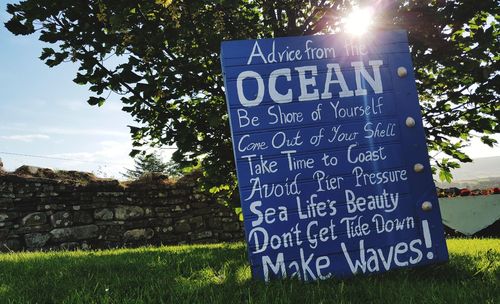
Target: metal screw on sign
column 427, row 206
column 402, row 72
column 410, row 122
column 418, row 168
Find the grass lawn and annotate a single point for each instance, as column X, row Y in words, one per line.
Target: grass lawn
column 220, row 274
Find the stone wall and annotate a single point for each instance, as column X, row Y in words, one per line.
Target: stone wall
column 38, row 210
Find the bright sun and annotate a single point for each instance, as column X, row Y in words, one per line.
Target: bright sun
column 358, row 21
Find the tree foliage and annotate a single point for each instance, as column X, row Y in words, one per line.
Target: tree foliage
column 162, row 57
column 151, row 163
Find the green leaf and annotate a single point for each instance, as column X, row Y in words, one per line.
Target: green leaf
column 99, row 101
column 18, row 28
column 445, row 175
column 46, row 52
column 134, row 152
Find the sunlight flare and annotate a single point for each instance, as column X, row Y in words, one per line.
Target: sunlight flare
column 358, row 21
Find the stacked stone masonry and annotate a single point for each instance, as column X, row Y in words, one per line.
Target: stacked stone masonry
column 50, row 214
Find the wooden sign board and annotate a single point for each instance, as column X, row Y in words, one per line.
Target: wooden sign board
column 332, row 163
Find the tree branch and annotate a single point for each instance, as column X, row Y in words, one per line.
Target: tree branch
column 314, row 13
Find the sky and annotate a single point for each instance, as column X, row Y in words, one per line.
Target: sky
column 44, row 113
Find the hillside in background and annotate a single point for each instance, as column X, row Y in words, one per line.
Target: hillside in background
column 481, row 173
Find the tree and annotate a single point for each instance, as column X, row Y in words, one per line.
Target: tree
column 151, row 163
column 163, row 58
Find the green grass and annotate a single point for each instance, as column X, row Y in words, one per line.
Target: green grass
column 220, row 274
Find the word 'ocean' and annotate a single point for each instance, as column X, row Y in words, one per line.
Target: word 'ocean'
column 307, row 83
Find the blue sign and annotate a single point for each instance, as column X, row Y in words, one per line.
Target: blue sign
column 331, row 156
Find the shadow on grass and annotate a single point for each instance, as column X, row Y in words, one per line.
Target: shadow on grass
column 222, row 274
column 47, row 278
